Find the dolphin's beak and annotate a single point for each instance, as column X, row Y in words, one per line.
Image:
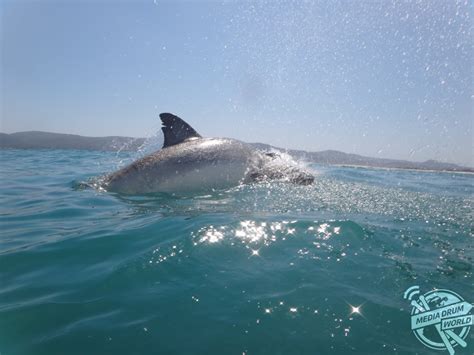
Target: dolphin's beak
column 303, row 179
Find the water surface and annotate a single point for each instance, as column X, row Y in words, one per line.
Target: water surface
column 258, row 269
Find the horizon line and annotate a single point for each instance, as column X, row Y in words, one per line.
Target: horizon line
column 462, row 165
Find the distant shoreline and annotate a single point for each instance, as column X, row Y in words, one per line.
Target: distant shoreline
column 47, row 140
column 468, row 172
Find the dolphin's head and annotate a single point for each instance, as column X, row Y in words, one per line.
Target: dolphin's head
column 281, row 166
column 302, row 178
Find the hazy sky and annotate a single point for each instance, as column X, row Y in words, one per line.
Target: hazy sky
column 387, row 79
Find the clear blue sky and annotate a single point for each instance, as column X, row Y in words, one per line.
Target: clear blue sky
column 386, row 79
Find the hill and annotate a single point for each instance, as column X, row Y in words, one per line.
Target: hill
column 47, row 140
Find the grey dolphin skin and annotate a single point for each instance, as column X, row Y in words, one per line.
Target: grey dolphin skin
column 189, row 162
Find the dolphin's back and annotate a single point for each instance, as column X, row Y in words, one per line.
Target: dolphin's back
column 196, row 164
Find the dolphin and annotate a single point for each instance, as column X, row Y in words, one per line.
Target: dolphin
column 189, row 162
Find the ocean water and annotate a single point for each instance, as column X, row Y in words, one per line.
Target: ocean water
column 258, row 269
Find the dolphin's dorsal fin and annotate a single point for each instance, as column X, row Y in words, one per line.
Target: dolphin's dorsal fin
column 176, row 130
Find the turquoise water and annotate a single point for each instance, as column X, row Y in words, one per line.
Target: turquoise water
column 259, row 269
